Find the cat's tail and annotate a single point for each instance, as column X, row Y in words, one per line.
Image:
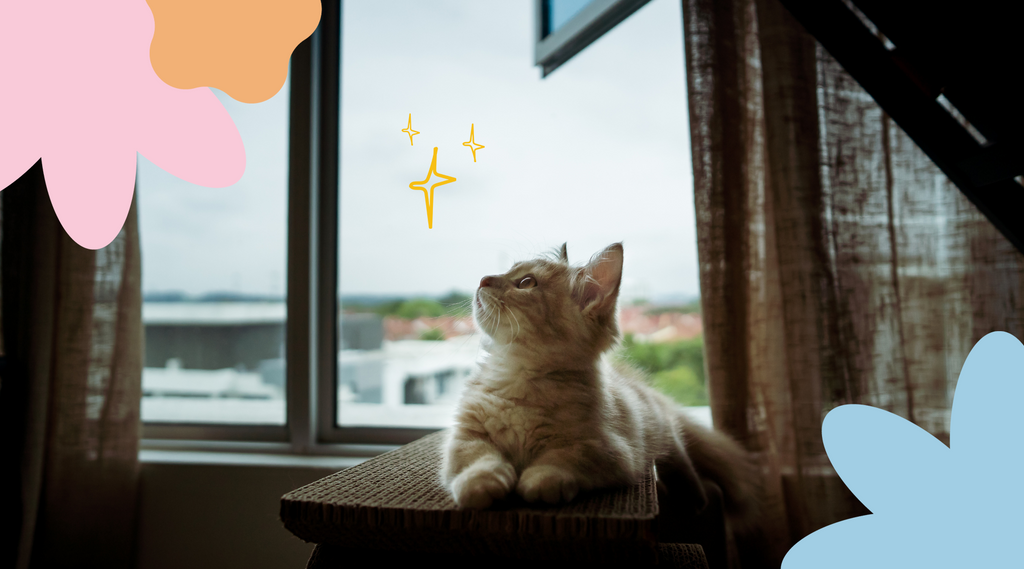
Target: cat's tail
column 719, row 458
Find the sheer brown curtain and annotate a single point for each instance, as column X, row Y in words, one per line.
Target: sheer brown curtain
column 69, row 388
column 837, row 264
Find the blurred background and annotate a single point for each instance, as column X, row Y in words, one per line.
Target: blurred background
column 598, row 152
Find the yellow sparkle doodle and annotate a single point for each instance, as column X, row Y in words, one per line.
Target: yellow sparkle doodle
column 472, row 143
column 409, row 130
column 421, row 185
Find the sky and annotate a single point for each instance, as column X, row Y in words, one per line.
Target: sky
column 596, row 153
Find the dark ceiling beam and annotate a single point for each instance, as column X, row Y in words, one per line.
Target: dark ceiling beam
column 983, row 174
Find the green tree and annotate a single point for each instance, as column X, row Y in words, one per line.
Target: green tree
column 653, row 358
column 681, row 384
column 674, row 368
column 688, row 308
column 434, row 334
column 389, row 308
column 418, row 308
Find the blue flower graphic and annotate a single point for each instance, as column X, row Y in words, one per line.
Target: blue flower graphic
column 932, row 506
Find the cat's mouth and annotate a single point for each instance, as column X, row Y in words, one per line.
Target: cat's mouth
column 486, row 295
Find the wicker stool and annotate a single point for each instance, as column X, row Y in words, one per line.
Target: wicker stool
column 394, row 508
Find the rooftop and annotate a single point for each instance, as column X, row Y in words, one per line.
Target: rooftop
column 213, row 313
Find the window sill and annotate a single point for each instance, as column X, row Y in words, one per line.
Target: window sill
column 244, row 453
column 149, row 456
column 165, row 451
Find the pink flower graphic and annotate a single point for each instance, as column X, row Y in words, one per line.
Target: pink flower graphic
column 78, row 90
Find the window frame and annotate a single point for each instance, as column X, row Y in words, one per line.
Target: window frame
column 324, row 210
column 594, row 20
column 311, row 325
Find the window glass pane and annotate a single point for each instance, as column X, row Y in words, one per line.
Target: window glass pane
column 595, row 154
column 213, row 280
column 561, row 11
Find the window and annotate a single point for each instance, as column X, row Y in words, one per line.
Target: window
column 563, row 28
column 230, row 277
column 596, row 154
column 214, row 282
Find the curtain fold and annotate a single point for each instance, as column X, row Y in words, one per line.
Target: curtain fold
column 837, row 263
column 71, row 385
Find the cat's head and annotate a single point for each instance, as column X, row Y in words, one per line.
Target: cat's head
column 550, row 311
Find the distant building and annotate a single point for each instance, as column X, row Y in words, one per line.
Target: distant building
column 396, row 328
column 664, row 327
column 235, row 335
column 202, row 356
column 407, row 372
column 213, row 335
column 361, row 332
column 204, row 351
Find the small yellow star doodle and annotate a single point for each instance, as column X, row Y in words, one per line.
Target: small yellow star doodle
column 409, row 130
column 472, row 143
column 421, row 185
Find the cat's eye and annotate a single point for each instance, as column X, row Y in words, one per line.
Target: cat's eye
column 526, row 282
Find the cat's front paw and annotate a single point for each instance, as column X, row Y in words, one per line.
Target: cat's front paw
column 549, row 483
column 478, row 488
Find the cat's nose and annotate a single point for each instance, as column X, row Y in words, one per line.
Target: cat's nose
column 488, row 281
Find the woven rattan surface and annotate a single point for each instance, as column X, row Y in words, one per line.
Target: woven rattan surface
column 396, row 502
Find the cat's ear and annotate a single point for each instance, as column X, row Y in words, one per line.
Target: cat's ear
column 599, row 288
column 563, row 255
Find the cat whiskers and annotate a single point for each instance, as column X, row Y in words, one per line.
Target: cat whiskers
column 502, row 306
column 486, row 313
column 493, row 316
column 518, row 328
column 459, row 309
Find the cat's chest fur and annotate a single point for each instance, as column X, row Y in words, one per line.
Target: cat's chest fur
column 522, row 414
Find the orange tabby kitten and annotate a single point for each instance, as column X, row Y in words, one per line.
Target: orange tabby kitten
column 547, row 416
